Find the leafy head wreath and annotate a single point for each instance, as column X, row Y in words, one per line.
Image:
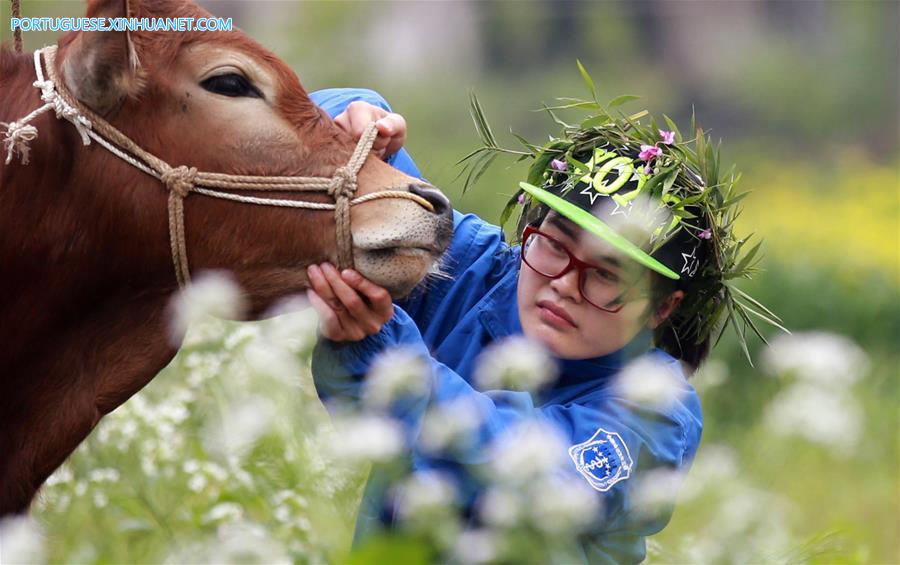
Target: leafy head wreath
column 682, row 176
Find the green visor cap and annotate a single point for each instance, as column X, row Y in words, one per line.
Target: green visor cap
column 597, row 227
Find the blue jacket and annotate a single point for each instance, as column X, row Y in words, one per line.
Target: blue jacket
column 452, row 320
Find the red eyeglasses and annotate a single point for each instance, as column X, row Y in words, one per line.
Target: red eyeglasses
column 546, row 256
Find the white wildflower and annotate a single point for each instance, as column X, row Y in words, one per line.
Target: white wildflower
column 224, row 512
column 396, row 374
column 501, row 507
column 425, row 496
column 215, row 471
column 148, row 465
column 715, row 464
column 246, row 542
column 302, row 523
column 514, row 363
column 275, row 361
column 657, row 490
column 197, row 482
column 282, row 514
column 364, row 438
column 450, row 425
column 103, row 475
column 817, row 357
column 210, row 294
column 650, row 383
column 562, row 505
column 242, row 335
column 476, row 546
column 241, row 425
column 711, row 374
column 823, row 415
column 61, row 476
column 293, row 325
column 526, row 451
column 21, row 541
column 100, row 500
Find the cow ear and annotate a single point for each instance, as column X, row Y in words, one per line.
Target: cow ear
column 100, row 67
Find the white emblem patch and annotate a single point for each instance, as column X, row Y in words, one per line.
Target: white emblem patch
column 603, row 460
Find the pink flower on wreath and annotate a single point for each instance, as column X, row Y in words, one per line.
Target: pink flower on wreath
column 558, row 165
column 649, row 152
column 705, row 234
column 521, row 199
column 668, row 137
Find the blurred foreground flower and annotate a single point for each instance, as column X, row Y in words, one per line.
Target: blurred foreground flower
column 235, row 542
column 394, row 375
column 527, row 451
column 562, row 505
column 514, row 363
column 212, row 293
column 649, row 383
column 363, row 438
column 21, row 541
column 476, row 546
column 450, row 426
column 241, row 425
column 657, row 490
column 828, row 417
column 425, row 496
column 819, row 357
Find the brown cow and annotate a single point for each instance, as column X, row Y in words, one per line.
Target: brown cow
column 86, row 265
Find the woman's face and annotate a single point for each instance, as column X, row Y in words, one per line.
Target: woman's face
column 554, row 312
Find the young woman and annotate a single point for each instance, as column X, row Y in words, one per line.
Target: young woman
column 607, row 272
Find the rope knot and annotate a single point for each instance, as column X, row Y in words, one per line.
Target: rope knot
column 180, row 180
column 18, row 134
column 343, row 183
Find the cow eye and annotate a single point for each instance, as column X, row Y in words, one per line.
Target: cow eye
column 231, row 84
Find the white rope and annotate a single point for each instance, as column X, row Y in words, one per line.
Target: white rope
column 20, row 132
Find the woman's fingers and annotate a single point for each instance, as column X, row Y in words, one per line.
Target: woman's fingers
column 379, row 298
column 361, row 312
column 359, row 307
column 391, row 127
column 329, row 324
column 320, row 284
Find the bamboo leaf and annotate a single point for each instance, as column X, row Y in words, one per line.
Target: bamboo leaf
column 573, row 105
column 481, row 123
column 763, row 317
column 753, row 301
column 748, row 257
column 587, row 79
column 623, row 99
column 749, row 321
column 742, row 336
column 509, row 208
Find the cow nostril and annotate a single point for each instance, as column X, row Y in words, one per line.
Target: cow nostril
column 434, row 196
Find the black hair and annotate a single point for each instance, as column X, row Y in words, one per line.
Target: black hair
column 677, row 335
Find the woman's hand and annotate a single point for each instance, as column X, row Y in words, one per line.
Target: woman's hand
column 391, row 127
column 350, row 307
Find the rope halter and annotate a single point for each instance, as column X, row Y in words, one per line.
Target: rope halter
column 183, row 181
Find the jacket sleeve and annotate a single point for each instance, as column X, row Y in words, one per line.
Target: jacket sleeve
column 335, row 100
column 610, row 440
